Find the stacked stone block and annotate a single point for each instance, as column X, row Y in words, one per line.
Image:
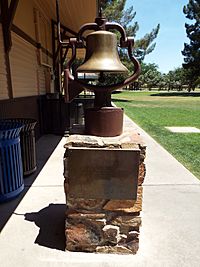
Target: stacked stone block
column 104, row 225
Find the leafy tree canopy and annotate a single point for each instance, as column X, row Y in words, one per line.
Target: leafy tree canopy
column 191, row 51
column 114, row 10
column 150, row 75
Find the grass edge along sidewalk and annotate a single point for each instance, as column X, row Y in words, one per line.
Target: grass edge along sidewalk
column 153, row 111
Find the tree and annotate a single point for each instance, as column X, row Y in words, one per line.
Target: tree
column 114, row 10
column 191, row 51
column 177, row 79
column 150, row 76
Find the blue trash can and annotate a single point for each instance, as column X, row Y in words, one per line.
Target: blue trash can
column 11, row 171
column 27, row 141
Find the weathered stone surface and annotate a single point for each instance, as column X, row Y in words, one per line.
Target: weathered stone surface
column 91, row 216
column 128, row 221
column 86, row 205
column 138, row 204
column 142, row 152
column 133, row 235
column 104, row 225
column 127, row 206
column 66, row 186
column 81, row 237
column 119, row 205
column 116, row 249
column 135, row 138
column 65, row 161
column 111, row 234
column 131, row 242
column 133, row 246
column 122, row 239
column 129, row 146
column 142, row 173
column 128, row 139
column 96, row 221
column 77, row 140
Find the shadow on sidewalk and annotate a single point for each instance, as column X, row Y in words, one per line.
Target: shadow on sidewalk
column 44, row 148
column 51, row 221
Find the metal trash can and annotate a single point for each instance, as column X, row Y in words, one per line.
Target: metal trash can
column 27, row 138
column 11, row 172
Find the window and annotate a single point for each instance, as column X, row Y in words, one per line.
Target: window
column 43, row 37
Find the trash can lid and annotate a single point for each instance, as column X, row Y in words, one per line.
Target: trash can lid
column 9, row 129
column 28, row 123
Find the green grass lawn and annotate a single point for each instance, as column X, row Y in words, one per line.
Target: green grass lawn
column 153, row 111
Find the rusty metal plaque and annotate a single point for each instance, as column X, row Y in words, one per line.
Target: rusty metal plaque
column 103, row 173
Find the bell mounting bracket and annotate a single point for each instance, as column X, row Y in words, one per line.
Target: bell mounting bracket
column 100, row 23
column 125, row 42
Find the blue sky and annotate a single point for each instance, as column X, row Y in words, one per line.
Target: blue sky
column 170, row 41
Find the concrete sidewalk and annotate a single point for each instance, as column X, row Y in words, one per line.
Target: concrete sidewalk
column 170, row 232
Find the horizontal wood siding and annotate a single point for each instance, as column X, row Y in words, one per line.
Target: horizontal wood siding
column 44, row 79
column 23, row 61
column 3, row 72
column 41, row 80
column 22, row 107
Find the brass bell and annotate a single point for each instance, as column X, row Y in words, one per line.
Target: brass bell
column 102, row 54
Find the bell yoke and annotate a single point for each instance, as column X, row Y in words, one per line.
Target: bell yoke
column 101, row 57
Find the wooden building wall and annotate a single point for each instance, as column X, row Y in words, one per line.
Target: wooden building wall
column 3, row 72
column 30, row 58
column 31, row 27
column 23, row 62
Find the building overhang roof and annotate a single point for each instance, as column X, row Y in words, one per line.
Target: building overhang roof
column 73, row 13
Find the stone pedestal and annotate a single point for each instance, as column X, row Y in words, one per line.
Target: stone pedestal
column 104, row 224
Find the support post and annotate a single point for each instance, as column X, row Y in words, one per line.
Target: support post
column 7, row 16
column 8, row 13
